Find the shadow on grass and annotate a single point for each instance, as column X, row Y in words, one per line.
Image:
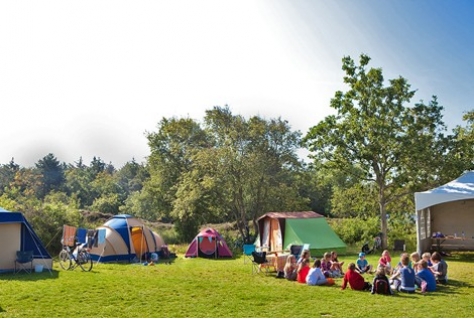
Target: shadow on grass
column 22, row 276
column 453, row 284
column 467, row 256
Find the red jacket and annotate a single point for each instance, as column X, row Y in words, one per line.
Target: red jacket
column 301, row 276
column 356, row 281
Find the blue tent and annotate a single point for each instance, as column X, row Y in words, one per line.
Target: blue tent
column 16, row 234
column 127, row 239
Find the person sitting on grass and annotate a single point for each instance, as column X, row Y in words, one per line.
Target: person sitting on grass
column 440, row 268
column 404, row 279
column 302, row 271
column 427, row 256
column 424, row 278
column 355, row 280
column 304, row 255
column 315, row 275
column 326, row 265
column 336, row 264
column 362, row 265
column 415, row 261
column 290, row 268
column 381, row 284
column 385, row 261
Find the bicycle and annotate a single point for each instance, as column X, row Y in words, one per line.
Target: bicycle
column 79, row 257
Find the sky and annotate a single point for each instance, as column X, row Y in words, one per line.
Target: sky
column 91, row 78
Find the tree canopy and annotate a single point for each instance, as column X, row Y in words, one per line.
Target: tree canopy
column 377, row 137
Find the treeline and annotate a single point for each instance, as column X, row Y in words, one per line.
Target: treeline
column 368, row 159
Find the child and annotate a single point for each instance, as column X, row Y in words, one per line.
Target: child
column 440, row 268
column 362, row 265
column 385, row 260
column 302, row 272
column 406, row 283
column 415, row 261
column 427, row 257
column 381, row 285
column 336, row 264
column 315, row 275
column 326, row 266
column 304, row 255
column 425, row 278
column 290, row 268
column 355, row 280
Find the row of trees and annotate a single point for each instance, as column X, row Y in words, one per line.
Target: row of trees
column 367, row 158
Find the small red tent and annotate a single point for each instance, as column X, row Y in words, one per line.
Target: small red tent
column 209, row 244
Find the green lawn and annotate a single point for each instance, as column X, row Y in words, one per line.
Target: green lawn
column 218, row 288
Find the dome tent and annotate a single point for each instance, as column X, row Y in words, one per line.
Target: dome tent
column 209, row 244
column 127, row 239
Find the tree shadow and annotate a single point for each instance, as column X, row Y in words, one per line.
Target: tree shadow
column 464, row 256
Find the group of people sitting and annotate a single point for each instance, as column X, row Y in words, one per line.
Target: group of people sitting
column 411, row 272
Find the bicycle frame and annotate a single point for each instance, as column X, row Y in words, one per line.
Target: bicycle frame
column 69, row 260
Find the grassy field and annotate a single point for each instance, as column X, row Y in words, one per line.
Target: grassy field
column 218, row 288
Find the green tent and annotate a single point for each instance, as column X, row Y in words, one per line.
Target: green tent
column 279, row 230
column 313, row 231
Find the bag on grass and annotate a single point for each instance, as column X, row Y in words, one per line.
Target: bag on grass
column 381, row 287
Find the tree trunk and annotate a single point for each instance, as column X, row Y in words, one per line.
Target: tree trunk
column 383, row 225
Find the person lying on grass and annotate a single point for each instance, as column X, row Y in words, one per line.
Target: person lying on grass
column 355, row 280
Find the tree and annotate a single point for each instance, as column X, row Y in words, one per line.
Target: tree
column 461, row 151
column 172, row 149
column 254, row 163
column 53, row 173
column 7, row 174
column 377, row 139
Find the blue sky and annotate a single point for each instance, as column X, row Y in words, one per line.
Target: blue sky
column 89, row 78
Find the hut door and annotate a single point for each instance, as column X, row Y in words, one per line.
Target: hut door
column 275, row 242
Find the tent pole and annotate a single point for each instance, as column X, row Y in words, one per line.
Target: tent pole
column 37, row 247
column 141, row 244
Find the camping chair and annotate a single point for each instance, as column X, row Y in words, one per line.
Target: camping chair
column 259, row 261
column 248, row 249
column 296, row 250
column 23, row 258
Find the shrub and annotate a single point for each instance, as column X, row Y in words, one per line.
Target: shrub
column 355, row 230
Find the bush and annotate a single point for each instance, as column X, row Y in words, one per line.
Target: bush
column 355, row 230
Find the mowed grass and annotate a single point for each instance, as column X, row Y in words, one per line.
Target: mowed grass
column 218, row 288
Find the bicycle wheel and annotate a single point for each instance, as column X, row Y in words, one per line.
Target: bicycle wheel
column 64, row 260
column 84, row 260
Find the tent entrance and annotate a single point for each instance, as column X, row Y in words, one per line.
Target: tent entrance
column 207, row 246
column 138, row 241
